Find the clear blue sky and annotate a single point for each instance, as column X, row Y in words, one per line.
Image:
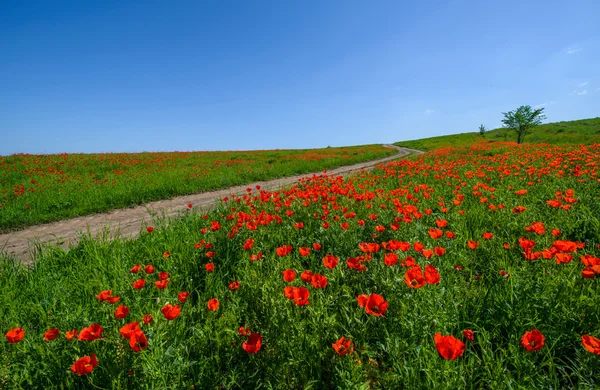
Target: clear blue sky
column 111, row 76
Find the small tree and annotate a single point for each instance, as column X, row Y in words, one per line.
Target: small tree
column 523, row 120
column 481, row 130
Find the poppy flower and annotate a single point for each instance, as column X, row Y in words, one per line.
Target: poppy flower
column 135, row 269
column 472, row 244
column 414, row 277
column 330, row 261
column 318, row 281
column 167, row 254
column 306, row 276
column 390, row 259
column 408, row 262
column 487, row 236
column 344, row 225
column 234, row 285
column 104, row 295
column 90, row 333
column 121, row 311
column 588, row 273
column 139, row 284
column 15, row 335
column 301, row 295
column 439, row 251
column 427, row 253
column 161, row 284
column 289, row 292
column 211, row 254
column 84, row 365
column 418, row 247
column 138, row 340
column 441, row 223
column 435, row 233
column 114, row 299
column 213, row 304
column 149, row 229
column 210, row 267
column 163, row 275
column 533, row 340
column 537, row 227
column 316, row 246
column 504, row 274
column 146, row 319
column 149, row 269
column 469, row 334
column 374, row 304
column 343, row 346
column 304, row 251
column 170, row 312
column 432, row 276
column 51, row 334
column 71, row 334
column 591, row 343
column 244, row 331
column 253, row 344
column 449, row 347
column 289, row 275
column 248, row 244
column 183, row 296
column 127, row 329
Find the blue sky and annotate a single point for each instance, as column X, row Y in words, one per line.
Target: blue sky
column 108, row 76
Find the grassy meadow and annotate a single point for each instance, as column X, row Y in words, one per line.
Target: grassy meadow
column 468, row 267
column 36, row 189
column 584, row 131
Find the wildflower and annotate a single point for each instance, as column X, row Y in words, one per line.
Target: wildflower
column 213, row 304
column 374, row 304
column 591, row 343
column 127, row 329
column 51, row 334
column 253, row 344
column 330, row 261
column 138, row 340
column 183, row 296
column 414, row 277
column 533, row 340
column 170, row 312
column 146, row 319
column 289, row 275
column 90, row 333
column 234, row 285
column 161, row 284
column 343, row 346
column 449, row 347
column 139, row 284
column 15, row 335
column 84, row 365
column 121, row 311
column 71, row 334
column 469, row 334
column 432, row 276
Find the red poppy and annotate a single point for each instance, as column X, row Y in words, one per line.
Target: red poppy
column 289, row 275
column 15, row 335
column 408, row 262
column 104, row 295
column 149, row 269
column 469, row 334
column 306, row 276
column 487, row 236
column 432, row 276
column 330, row 261
column 449, row 347
column 289, row 292
column 504, row 274
column 374, row 304
column 439, row 251
column 248, row 244
column 90, row 333
column 171, row 311
column 210, row 267
column 139, row 284
column 127, row 329
column 301, row 295
column 304, row 251
column 84, row 365
column 113, row 299
column 533, row 340
column 161, row 284
column 316, row 246
column 183, row 296
column 213, row 304
column 343, row 346
column 472, row 244
column 283, row 250
column 435, row 233
column 210, row 255
column 318, row 281
column 163, row 275
column 51, row 334
column 253, row 344
column 390, row 259
column 418, row 247
column 234, row 285
column 121, row 311
column 427, row 253
column 166, row 254
column 344, row 225
column 537, row 227
column 414, row 277
column 189, row 205
column 591, row 343
column 71, row 334
column 441, row 223
column 244, row 331
column 146, row 319
column 138, row 340
column 588, row 273
column 150, row 229
column 135, row 269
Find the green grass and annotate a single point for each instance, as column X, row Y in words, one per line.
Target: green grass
column 36, row 189
column 202, row 348
column 584, row 131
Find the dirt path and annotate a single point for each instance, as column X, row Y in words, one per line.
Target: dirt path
column 128, row 222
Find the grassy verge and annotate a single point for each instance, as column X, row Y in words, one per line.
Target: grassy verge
column 585, row 131
column 44, row 188
column 468, row 213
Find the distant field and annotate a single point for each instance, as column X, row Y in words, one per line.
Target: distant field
column 36, row 189
column 585, row 131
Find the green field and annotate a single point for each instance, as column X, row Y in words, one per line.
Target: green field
column 36, row 189
column 474, row 268
column 584, row 131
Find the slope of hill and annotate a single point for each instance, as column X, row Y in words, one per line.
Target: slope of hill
column 584, row 131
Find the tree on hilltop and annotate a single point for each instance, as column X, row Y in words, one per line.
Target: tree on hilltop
column 523, row 120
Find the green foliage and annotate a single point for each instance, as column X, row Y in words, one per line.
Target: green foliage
column 523, row 120
column 482, row 130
